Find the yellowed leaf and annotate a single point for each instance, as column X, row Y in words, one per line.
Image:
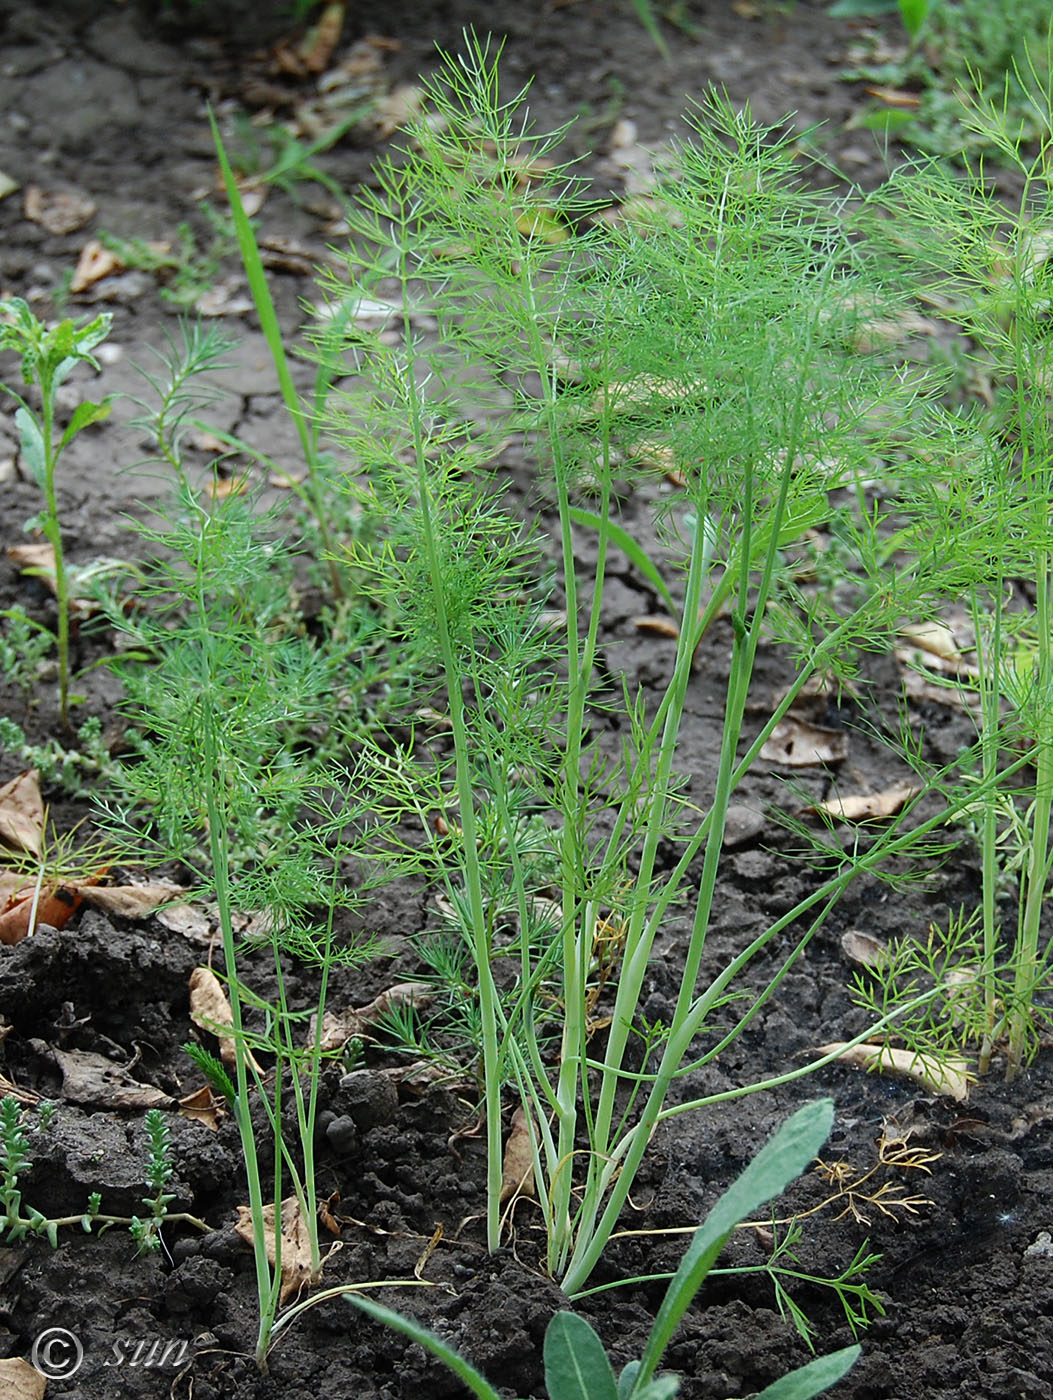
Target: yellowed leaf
column 296, row 1263
column 543, row 223
column 949, row 1076
column 22, row 814
column 866, row 806
column 20, row 1381
column 794, row 743
column 517, row 1173
column 894, row 97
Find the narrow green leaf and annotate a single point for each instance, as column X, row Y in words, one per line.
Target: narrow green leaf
column 778, row 1163
column 33, row 453
column 632, row 551
column 576, row 1365
column 476, row 1383
column 84, row 414
column 857, row 9
column 812, row 1378
column 261, row 295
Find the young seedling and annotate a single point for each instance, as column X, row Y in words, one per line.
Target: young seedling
column 719, row 328
column 985, row 264
column 576, row 1366
column 49, row 355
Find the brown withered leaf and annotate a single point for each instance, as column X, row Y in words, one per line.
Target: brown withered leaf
column 657, row 626
column 54, row 904
column 517, row 1172
column 338, row 1027
column 795, row 743
column 131, row 901
column 95, row 263
column 949, row 1076
column 57, row 211
column 210, row 1010
column 296, row 1268
column 22, row 814
column 863, row 948
column 88, row 1078
column 866, row 806
column 201, row 1107
column 20, row 1381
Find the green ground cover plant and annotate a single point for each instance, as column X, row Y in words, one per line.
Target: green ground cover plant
column 20, row 1220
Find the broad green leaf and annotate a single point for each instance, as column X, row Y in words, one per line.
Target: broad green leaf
column 627, row 1379
column 476, row 1383
column 778, row 1163
column 84, row 414
column 661, row 1388
column 632, row 551
column 576, row 1365
column 812, row 1378
column 914, row 14
column 33, row 453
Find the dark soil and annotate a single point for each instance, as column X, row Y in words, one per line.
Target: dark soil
column 103, row 101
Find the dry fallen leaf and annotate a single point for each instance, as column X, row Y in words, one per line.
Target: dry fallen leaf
column 22, row 814
column 88, row 1078
column 934, row 637
column 296, row 1268
column 188, row 920
column 517, row 1173
column 201, row 1107
column 20, row 1381
column 338, row 1027
column 657, row 626
column 210, row 1009
column 949, row 1076
column 95, row 263
column 795, row 743
column 27, row 909
column 57, row 211
column 131, row 901
column 863, row 948
column 865, row 806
